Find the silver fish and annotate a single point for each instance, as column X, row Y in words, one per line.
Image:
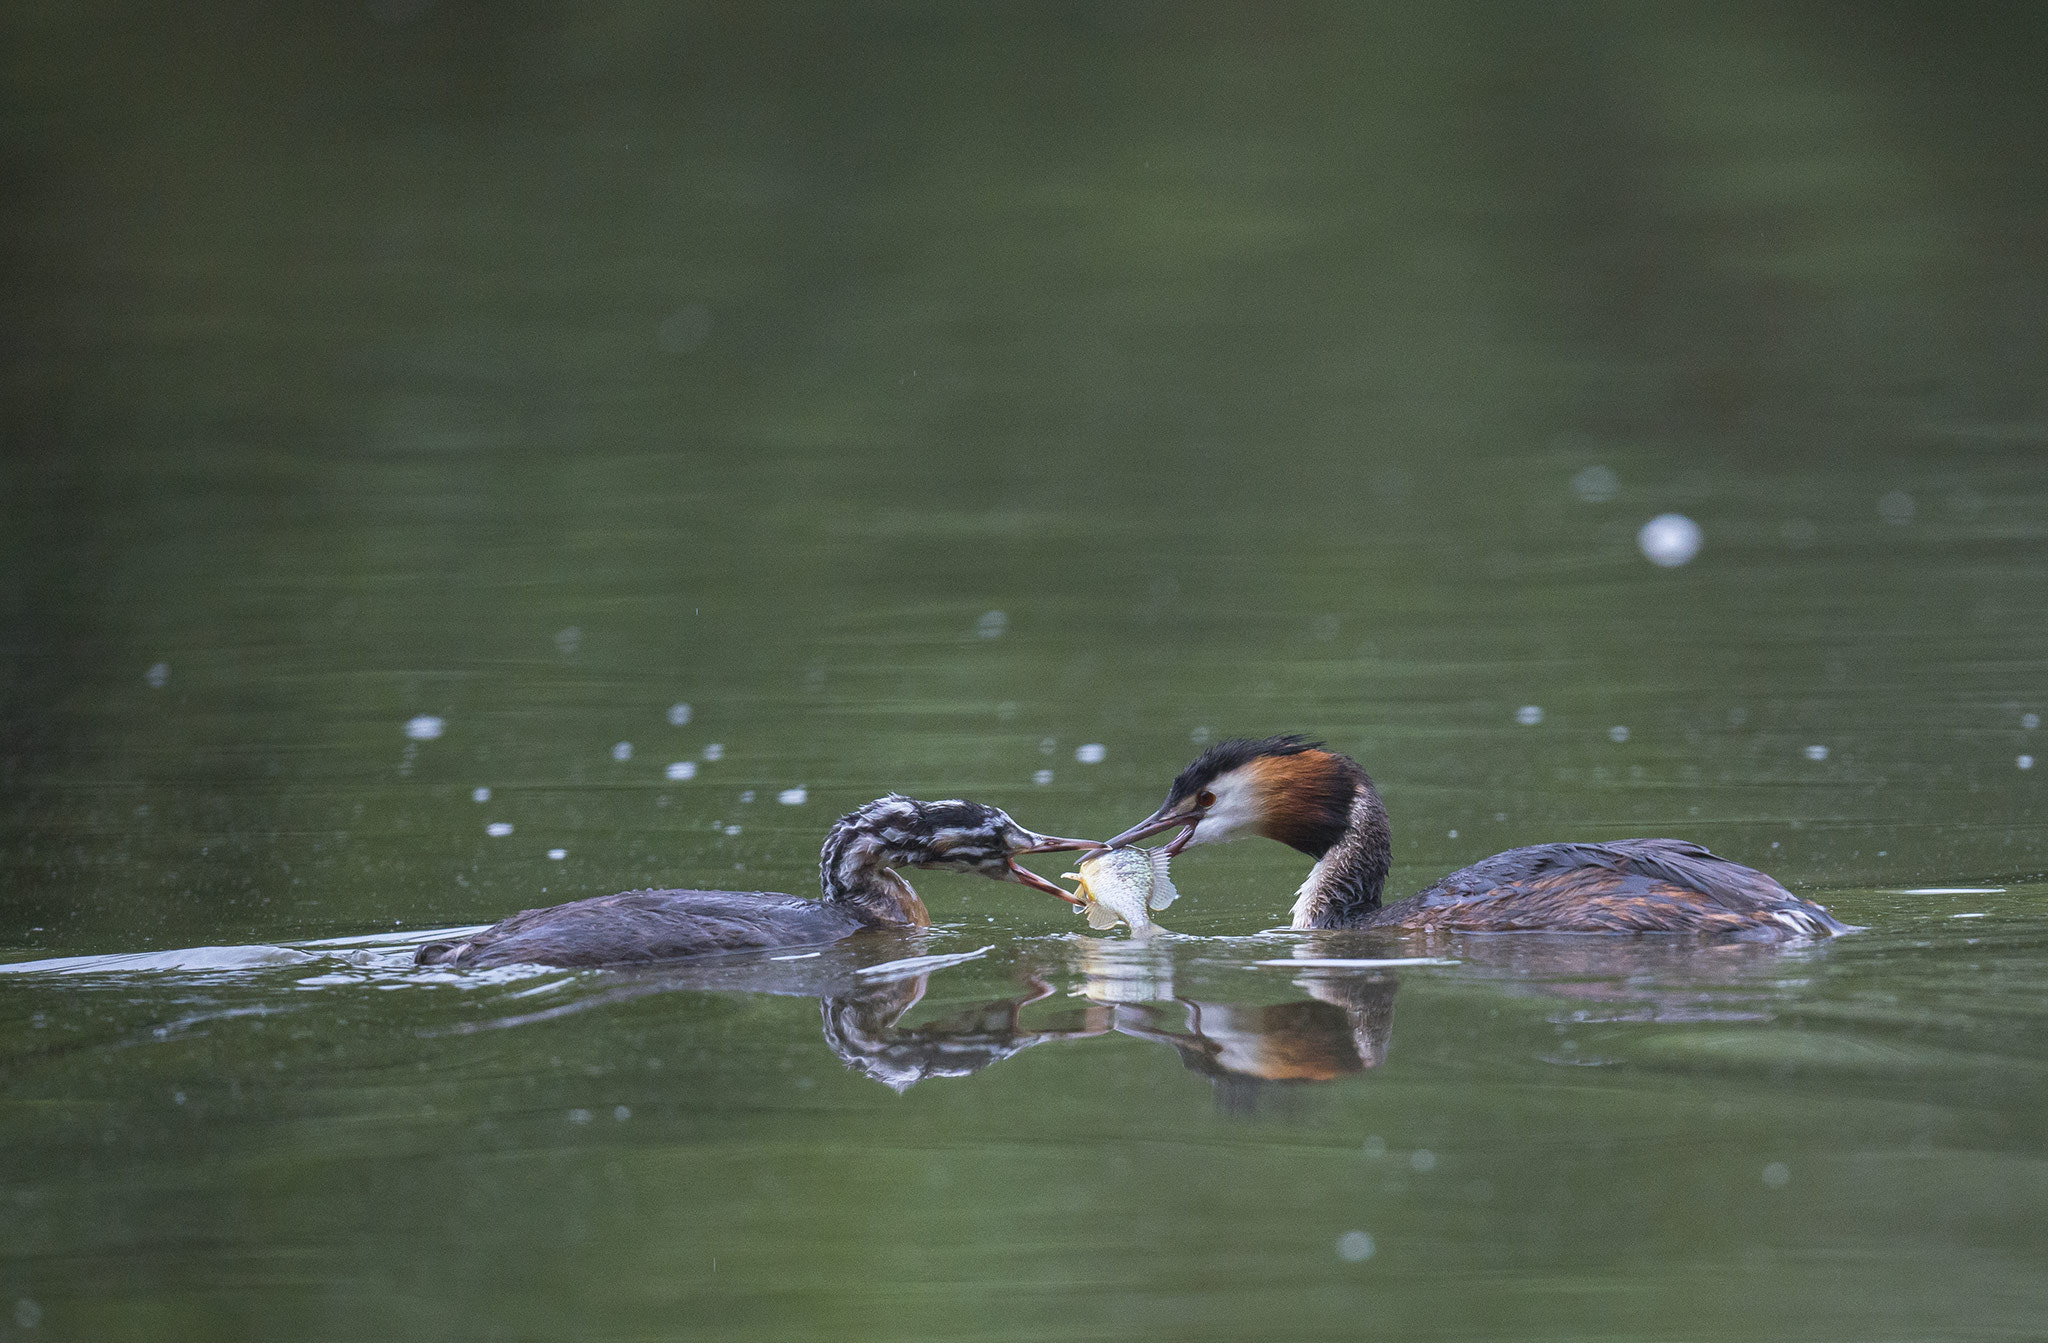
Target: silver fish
column 1124, row 885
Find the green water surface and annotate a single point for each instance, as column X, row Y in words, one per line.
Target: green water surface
column 920, row 395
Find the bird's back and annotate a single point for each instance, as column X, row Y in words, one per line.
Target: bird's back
column 1624, row 886
column 647, row 926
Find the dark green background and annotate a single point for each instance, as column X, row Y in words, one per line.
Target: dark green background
column 1244, row 357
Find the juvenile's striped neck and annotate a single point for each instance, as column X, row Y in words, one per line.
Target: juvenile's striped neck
column 1343, row 888
column 854, row 866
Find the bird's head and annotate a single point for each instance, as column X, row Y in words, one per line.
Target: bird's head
column 952, row 835
column 1284, row 788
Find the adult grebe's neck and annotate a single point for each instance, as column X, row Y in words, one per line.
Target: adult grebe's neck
column 1343, row 889
column 854, row 871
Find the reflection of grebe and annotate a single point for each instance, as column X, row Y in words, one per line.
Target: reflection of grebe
column 862, row 890
column 1323, row 804
column 1343, row 1030
column 863, row 1030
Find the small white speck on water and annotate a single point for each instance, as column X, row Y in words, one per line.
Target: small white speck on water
column 425, row 727
column 158, row 676
column 992, row 624
column 558, row 854
column 1669, row 540
column 1047, row 745
column 1777, row 1175
column 1375, row 1147
column 682, row 769
column 731, row 831
column 678, row 715
column 1596, row 484
column 498, row 829
column 1529, row 715
column 1354, row 1247
column 622, row 751
column 1041, row 777
column 1978, row 914
column 568, row 640
column 579, row 1116
column 1816, row 752
column 715, row 751
column 1450, row 834
column 747, row 797
column 1200, row 736
column 793, row 797
column 479, row 795
column 2024, row 762
column 2030, row 721
column 177, row 1098
column 1617, row 734
column 1422, row 1160
column 1091, row 753
column 27, row 1314
column 621, row 1113
column 1896, row 508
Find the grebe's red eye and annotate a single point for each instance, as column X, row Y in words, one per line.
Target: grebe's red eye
column 1207, row 799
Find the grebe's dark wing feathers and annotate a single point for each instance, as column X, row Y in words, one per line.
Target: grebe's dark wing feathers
column 1629, row 885
column 645, row 926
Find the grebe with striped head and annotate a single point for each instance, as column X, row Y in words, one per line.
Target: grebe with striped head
column 1324, row 804
column 857, row 872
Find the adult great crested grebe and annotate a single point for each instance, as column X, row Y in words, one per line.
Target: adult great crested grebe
column 1323, row 804
column 856, row 870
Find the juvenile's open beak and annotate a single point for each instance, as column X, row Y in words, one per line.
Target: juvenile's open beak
column 1162, row 820
column 1049, row 844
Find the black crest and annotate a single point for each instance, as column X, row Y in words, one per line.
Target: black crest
column 1226, row 756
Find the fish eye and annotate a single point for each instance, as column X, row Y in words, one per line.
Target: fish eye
column 1207, row 799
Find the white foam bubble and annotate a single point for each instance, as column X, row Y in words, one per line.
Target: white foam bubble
column 569, row 640
column 1041, row 777
column 1777, row 1175
column 678, row 714
column 992, row 624
column 479, row 795
column 1091, row 754
column 715, row 751
column 1354, row 1247
column 1816, row 752
column 793, row 797
column 1422, row 1160
column 498, row 829
column 1529, row 715
column 2030, row 721
column 558, row 854
column 1669, row 540
column 1617, row 733
column 158, row 675
column 2025, row 762
column 622, row 750
column 682, row 769
column 425, row 727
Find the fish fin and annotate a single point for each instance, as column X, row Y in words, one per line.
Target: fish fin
column 1101, row 915
column 1163, row 893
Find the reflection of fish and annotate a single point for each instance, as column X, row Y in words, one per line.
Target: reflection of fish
column 1124, row 884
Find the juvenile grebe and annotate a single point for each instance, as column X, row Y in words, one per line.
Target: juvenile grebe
column 1323, row 804
column 856, row 870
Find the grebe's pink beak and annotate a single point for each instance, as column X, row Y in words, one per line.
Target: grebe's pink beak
column 1049, row 844
column 1166, row 818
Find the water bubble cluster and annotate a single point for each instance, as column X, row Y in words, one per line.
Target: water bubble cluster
column 498, row 829
column 1041, row 777
column 681, row 770
column 479, row 795
column 678, row 715
column 1816, row 752
column 793, row 797
column 425, row 727
column 1529, row 715
column 1617, row 733
column 715, row 751
column 1091, row 754
column 622, row 751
